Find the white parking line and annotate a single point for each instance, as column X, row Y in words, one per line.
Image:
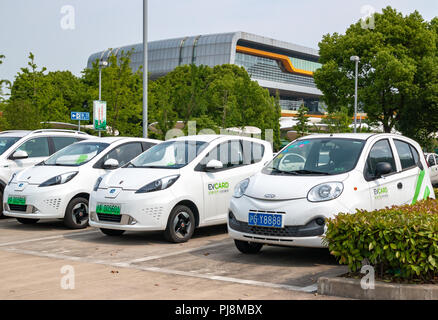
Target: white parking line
column 46, row 238
column 308, row 289
column 175, row 253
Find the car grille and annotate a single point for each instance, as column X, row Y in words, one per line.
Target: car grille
column 18, row 207
column 312, row 229
column 109, row 217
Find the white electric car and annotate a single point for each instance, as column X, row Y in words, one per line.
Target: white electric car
column 176, row 186
column 317, row 177
column 23, row 149
column 59, row 187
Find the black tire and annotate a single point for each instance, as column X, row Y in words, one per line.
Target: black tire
column 1, row 204
column 27, row 221
column 248, row 247
column 181, row 225
column 112, row 232
column 76, row 214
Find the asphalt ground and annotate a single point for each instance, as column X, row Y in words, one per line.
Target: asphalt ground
column 34, row 260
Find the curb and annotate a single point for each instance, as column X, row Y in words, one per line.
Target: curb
column 351, row 288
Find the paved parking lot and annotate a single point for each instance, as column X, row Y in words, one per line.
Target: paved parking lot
column 144, row 266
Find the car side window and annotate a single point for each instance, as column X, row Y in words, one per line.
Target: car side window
column 230, row 153
column 37, row 147
column 62, row 142
column 436, row 158
column 380, row 152
column 431, row 160
column 124, row 153
column 406, row 154
column 253, row 152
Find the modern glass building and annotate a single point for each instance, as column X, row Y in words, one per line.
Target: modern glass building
column 276, row 65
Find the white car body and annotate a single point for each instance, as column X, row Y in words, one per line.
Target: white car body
column 432, row 160
column 207, row 194
column 50, row 202
column 25, row 140
column 273, row 195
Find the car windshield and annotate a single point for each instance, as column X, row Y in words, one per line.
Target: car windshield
column 6, row 143
column 169, row 155
column 76, row 155
column 329, row 156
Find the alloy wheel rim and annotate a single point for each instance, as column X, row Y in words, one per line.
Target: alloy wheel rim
column 80, row 213
column 182, row 225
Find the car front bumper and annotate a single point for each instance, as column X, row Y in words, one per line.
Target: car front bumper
column 41, row 203
column 139, row 212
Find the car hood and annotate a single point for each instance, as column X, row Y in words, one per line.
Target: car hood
column 40, row 174
column 286, row 187
column 134, row 178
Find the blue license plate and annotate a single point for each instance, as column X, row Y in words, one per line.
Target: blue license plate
column 265, row 220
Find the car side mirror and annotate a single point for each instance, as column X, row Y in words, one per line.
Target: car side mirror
column 214, row 165
column 111, row 164
column 20, row 155
column 383, row 168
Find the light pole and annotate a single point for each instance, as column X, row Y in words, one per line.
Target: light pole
column 145, row 68
column 102, row 64
column 355, row 59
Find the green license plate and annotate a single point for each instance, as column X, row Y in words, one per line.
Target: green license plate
column 17, row 200
column 108, row 209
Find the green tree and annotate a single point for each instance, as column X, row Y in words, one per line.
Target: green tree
column 221, row 97
column 302, row 127
column 48, row 96
column 2, row 81
column 338, row 121
column 398, row 62
column 122, row 89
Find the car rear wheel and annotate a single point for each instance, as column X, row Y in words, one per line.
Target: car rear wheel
column 181, row 225
column 76, row 214
column 112, row 233
column 248, row 247
column 27, row 221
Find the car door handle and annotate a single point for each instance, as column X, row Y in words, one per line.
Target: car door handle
column 400, row 186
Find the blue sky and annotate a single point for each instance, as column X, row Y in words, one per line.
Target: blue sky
column 35, row 25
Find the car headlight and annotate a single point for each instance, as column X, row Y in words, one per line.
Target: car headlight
column 326, row 192
column 240, row 188
column 12, row 178
column 61, row 179
column 158, row 185
column 97, row 184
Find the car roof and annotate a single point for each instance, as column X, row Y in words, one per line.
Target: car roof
column 15, row 133
column 50, row 132
column 212, row 137
column 111, row 140
column 357, row 136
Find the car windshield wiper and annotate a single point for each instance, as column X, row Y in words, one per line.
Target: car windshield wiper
column 312, row 172
column 275, row 170
column 130, row 164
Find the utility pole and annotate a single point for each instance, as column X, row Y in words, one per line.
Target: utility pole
column 356, row 59
column 145, row 68
column 102, row 64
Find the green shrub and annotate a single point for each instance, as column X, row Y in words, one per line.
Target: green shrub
column 400, row 242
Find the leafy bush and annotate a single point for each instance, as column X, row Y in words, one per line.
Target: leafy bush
column 400, row 242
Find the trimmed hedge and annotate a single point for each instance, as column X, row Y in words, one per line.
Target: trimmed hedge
column 400, row 242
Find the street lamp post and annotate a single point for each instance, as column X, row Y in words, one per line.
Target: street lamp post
column 355, row 59
column 145, row 68
column 102, row 64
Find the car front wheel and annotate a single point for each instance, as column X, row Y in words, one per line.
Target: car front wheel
column 181, row 225
column 76, row 214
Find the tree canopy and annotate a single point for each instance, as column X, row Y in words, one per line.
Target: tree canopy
column 398, row 72
column 219, row 97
